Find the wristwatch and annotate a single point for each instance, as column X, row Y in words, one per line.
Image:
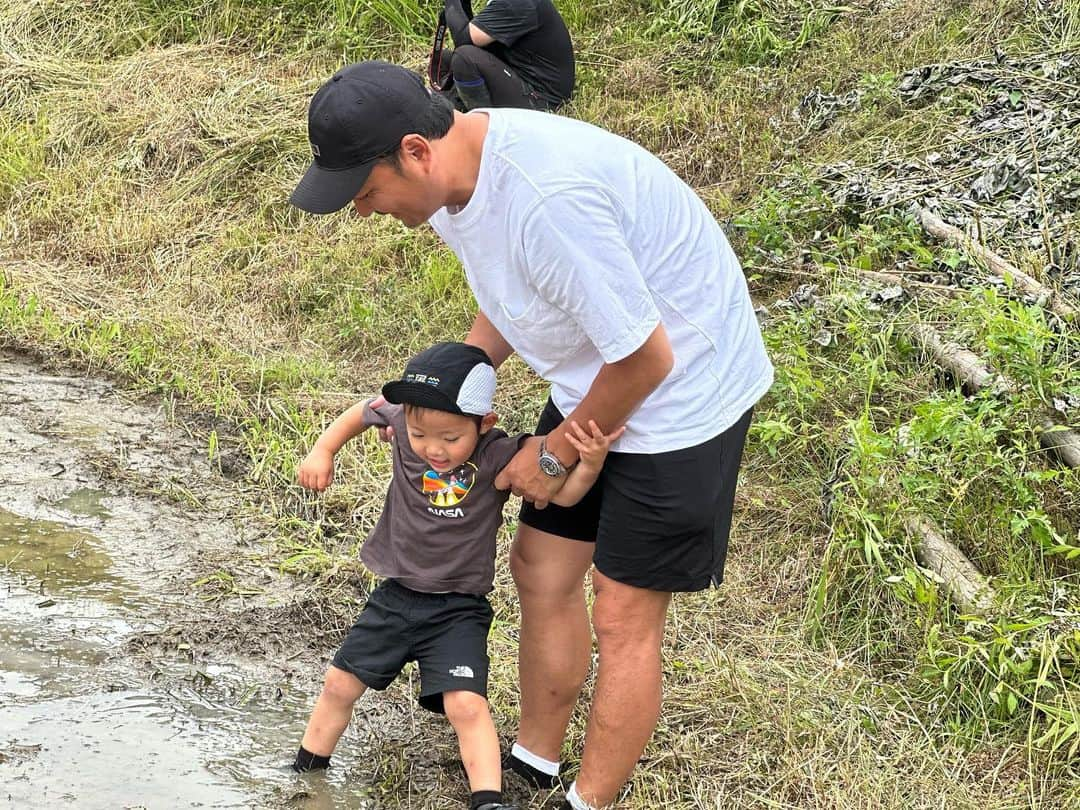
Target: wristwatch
column 549, row 462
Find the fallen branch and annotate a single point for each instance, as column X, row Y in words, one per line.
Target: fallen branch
column 964, row 365
column 1061, row 441
column 937, row 227
column 967, row 367
column 970, row 370
column 889, row 278
column 960, row 579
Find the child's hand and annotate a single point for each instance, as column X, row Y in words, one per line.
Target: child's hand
column 593, row 446
column 317, row 470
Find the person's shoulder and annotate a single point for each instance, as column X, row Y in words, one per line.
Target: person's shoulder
column 496, row 449
column 513, row 153
column 388, row 411
column 502, row 12
column 557, row 142
column 493, row 435
column 538, row 144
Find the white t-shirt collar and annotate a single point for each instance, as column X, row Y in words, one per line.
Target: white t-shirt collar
column 467, row 214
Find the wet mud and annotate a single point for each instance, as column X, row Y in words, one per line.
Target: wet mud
column 122, row 684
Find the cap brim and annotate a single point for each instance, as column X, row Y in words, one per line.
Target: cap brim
column 322, row 191
column 401, row 392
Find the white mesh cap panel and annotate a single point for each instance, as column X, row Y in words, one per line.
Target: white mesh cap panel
column 477, row 390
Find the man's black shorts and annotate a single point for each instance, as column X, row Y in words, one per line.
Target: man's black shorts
column 660, row 520
column 445, row 633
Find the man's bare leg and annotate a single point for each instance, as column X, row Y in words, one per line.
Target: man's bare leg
column 555, row 641
column 629, row 625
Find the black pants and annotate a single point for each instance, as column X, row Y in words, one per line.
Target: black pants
column 471, row 65
column 445, row 633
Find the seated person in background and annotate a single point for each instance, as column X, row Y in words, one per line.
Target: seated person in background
column 514, row 53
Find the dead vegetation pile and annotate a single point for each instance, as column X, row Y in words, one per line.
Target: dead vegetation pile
column 1008, row 174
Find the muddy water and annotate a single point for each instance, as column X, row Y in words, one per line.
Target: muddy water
column 101, row 539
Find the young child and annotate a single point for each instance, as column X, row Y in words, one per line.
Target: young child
column 435, row 545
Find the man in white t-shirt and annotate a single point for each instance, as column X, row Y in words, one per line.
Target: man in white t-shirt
column 591, row 260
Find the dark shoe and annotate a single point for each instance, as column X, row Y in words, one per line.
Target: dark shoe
column 536, row 778
column 474, row 93
column 497, row 806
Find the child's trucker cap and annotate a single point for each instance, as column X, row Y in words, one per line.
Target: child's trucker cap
column 450, row 377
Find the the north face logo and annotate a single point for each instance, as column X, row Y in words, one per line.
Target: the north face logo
column 462, row 672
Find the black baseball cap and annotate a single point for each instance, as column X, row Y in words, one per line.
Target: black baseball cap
column 452, row 377
column 357, row 117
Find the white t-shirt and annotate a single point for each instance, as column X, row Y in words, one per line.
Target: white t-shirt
column 577, row 243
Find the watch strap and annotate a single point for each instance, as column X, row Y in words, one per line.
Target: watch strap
column 552, row 459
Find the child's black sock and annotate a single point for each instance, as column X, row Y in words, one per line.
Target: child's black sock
column 482, row 797
column 307, row 761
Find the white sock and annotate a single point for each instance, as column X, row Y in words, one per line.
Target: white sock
column 575, row 799
column 529, row 758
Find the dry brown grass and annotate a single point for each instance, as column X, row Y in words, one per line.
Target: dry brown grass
column 160, row 208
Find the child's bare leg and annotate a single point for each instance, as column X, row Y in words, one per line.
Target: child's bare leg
column 468, row 713
column 332, row 711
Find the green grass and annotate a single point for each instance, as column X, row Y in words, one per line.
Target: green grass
column 146, row 153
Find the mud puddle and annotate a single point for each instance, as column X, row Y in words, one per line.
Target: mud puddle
column 102, row 702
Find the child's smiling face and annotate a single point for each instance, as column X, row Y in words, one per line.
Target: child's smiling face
column 444, row 440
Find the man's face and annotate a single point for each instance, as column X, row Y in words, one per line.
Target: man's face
column 405, row 194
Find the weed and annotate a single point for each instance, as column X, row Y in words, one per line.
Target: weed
column 146, row 151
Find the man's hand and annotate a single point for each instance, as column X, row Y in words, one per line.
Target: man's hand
column 593, row 446
column 523, row 475
column 317, row 470
column 385, row 433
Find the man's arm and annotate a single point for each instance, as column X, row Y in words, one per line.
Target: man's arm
column 616, row 392
column 484, row 335
column 479, row 38
column 459, row 20
column 592, row 446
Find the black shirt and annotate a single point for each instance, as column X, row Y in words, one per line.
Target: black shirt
column 531, row 37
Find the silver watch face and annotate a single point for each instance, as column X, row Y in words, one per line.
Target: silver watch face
column 550, row 466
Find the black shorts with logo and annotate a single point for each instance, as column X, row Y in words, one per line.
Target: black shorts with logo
column 445, row 633
column 660, row 520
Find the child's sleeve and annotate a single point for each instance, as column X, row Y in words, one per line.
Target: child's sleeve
column 386, row 415
column 500, row 451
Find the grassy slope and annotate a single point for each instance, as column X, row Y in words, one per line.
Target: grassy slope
column 147, row 147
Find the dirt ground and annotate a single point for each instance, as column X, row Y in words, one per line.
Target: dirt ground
column 124, row 680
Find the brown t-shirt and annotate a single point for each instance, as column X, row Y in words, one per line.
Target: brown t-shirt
column 437, row 530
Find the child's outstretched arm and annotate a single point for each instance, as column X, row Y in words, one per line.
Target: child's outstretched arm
column 593, row 448
column 317, row 470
